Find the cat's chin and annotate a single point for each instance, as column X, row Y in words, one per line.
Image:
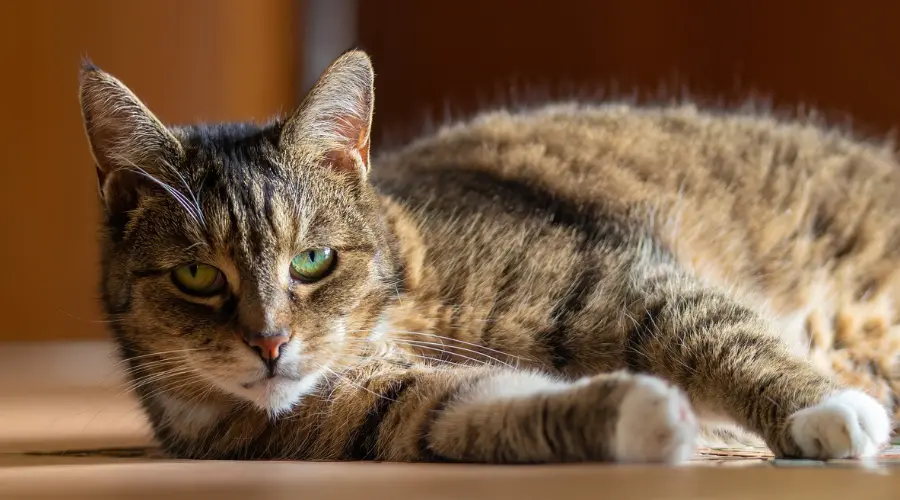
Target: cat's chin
column 277, row 396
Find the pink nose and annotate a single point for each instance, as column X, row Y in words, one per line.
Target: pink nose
column 268, row 347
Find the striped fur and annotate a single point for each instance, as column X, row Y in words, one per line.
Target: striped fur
column 570, row 283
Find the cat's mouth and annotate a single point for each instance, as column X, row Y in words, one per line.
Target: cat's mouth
column 278, row 394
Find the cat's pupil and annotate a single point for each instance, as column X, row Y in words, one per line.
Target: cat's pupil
column 193, row 269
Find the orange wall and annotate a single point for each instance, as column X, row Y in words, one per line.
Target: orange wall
column 188, row 60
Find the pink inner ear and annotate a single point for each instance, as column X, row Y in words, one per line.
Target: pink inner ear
column 350, row 161
column 364, row 147
column 356, row 153
column 335, row 118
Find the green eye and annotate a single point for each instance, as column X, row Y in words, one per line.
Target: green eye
column 313, row 264
column 199, row 279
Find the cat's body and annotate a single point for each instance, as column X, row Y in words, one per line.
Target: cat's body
column 796, row 221
column 496, row 275
column 792, row 220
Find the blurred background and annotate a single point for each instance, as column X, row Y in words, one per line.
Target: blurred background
column 208, row 60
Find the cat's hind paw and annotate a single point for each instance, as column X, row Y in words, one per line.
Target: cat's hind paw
column 846, row 424
column 655, row 424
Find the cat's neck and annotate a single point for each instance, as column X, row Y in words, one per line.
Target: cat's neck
column 407, row 248
column 419, row 319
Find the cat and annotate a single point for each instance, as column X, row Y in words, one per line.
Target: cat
column 575, row 282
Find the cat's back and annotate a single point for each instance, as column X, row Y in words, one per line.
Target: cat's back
column 635, row 154
column 741, row 198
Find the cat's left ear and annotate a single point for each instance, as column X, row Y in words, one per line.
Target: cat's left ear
column 129, row 144
column 332, row 124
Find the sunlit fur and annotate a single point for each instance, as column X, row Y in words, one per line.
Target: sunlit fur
column 513, row 288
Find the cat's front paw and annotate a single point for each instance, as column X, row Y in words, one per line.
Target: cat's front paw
column 656, row 424
column 847, row 424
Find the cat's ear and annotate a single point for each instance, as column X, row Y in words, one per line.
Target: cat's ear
column 129, row 144
column 332, row 124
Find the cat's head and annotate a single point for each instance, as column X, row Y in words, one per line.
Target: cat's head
column 247, row 258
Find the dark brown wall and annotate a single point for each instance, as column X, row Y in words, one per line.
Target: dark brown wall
column 836, row 55
column 188, row 60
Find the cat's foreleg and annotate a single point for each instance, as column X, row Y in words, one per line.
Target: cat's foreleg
column 505, row 416
column 730, row 362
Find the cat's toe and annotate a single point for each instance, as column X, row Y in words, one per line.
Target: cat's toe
column 847, row 424
column 656, row 424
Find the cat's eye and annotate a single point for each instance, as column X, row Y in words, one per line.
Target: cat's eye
column 201, row 280
column 313, row 264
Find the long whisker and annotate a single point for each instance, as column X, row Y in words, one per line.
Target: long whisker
column 160, row 353
column 168, row 383
column 162, row 363
column 354, row 384
column 357, row 357
column 456, row 348
column 155, row 365
column 151, row 374
column 431, row 346
column 95, row 321
column 438, row 361
column 174, row 385
column 189, row 190
column 144, row 371
column 356, row 360
column 451, row 353
column 472, row 344
column 177, row 195
column 451, row 339
column 133, row 387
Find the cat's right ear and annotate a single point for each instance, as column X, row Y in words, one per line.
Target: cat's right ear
column 128, row 143
column 333, row 123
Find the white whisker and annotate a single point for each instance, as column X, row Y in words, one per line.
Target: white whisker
column 480, row 362
column 354, row 384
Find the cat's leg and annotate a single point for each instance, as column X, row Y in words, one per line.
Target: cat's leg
column 504, row 416
column 731, row 363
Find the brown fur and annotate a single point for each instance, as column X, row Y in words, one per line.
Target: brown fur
column 506, row 287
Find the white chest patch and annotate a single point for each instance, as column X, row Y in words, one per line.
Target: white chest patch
column 382, row 328
column 186, row 418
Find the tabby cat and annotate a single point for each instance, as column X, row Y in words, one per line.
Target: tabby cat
column 571, row 283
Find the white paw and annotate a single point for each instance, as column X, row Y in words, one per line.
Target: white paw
column 656, row 424
column 847, row 424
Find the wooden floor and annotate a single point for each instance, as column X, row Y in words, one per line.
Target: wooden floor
column 68, row 428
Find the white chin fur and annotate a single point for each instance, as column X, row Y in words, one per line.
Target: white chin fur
column 279, row 395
